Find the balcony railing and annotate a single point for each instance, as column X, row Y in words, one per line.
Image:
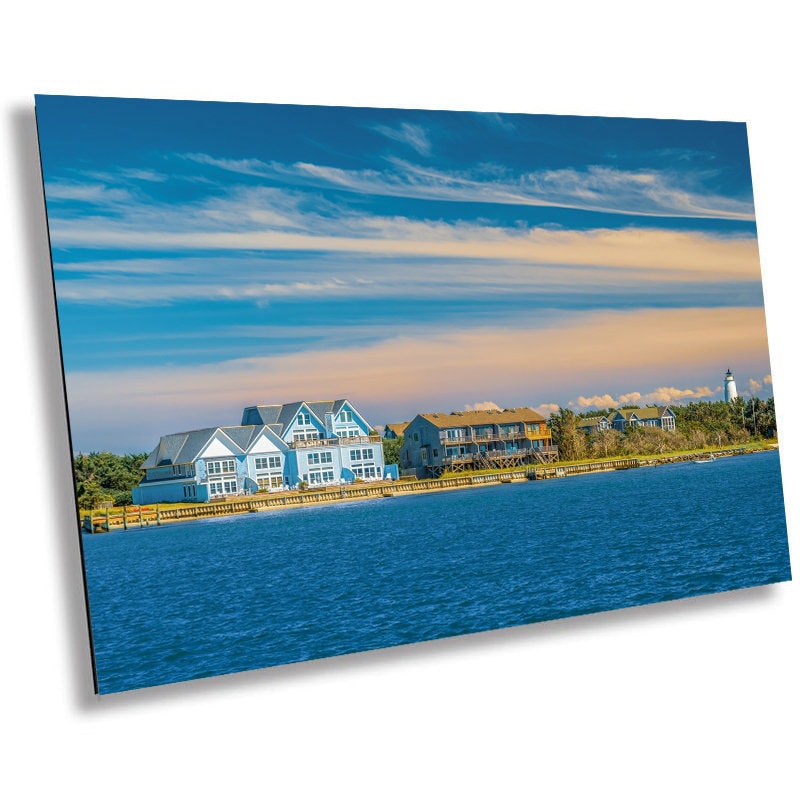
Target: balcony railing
column 493, row 437
column 343, row 441
column 474, row 458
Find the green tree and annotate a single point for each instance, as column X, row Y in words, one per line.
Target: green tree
column 391, row 450
column 570, row 441
column 103, row 477
column 90, row 495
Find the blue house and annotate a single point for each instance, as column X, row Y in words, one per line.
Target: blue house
column 327, row 441
column 276, row 447
column 394, row 430
column 593, row 424
column 209, row 463
column 653, row 416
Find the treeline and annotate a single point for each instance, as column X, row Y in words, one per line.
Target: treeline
column 106, row 477
column 697, row 425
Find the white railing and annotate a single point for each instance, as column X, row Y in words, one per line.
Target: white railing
column 343, row 441
column 493, row 437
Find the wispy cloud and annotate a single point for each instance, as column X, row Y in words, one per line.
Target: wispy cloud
column 415, row 136
column 82, row 192
column 399, row 258
column 643, row 192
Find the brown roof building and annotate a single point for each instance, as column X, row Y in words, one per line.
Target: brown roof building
column 467, row 440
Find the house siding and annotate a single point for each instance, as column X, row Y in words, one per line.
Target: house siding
column 462, row 440
column 318, row 451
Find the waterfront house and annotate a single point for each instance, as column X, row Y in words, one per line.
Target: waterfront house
column 201, row 465
column 653, row 416
column 469, row 440
column 328, row 441
column 394, row 430
column 593, row 424
column 276, row 447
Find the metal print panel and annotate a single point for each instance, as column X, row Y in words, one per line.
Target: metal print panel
column 341, row 379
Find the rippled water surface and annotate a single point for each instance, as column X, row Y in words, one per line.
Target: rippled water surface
column 210, row 597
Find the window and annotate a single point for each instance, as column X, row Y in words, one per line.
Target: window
column 220, row 467
column 320, row 476
column 268, row 462
column 303, row 418
column 362, row 455
column 435, row 453
column 313, row 458
column 345, row 416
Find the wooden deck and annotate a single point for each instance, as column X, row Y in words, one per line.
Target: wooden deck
column 495, row 460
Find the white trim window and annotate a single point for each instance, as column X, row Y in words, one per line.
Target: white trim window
column 317, row 476
column 223, row 487
column 366, row 473
column 363, row 454
column 221, row 467
column 305, row 436
column 264, row 463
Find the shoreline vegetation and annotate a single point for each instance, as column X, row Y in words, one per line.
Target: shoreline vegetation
column 128, row 517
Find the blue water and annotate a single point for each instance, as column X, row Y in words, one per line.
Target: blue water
column 209, row 597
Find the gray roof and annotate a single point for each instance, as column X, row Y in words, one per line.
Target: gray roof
column 280, row 416
column 184, row 448
column 178, row 448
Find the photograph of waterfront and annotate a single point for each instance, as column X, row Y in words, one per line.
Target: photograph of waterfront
column 327, row 367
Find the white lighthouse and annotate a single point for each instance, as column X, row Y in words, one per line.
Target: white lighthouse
column 730, row 387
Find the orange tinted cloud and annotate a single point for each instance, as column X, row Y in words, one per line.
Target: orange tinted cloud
column 435, row 373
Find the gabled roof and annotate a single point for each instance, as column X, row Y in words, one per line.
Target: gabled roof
column 397, row 428
column 268, row 432
column 500, row 417
column 650, row 412
column 184, row 448
column 281, row 416
column 585, row 422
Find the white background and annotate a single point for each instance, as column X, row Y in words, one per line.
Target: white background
column 695, row 698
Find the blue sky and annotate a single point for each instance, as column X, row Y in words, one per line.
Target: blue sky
column 210, row 256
